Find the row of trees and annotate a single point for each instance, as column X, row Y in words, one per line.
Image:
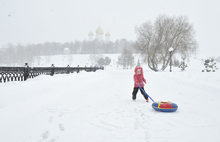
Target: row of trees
column 19, row 54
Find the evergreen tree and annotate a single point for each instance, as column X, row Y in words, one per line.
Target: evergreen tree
column 104, row 62
column 182, row 65
column 210, row 65
column 101, row 61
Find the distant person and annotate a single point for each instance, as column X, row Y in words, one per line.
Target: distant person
column 140, row 80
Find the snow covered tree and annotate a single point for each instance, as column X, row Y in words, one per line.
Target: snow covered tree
column 176, row 63
column 126, row 59
column 218, row 59
column 182, row 65
column 210, row 65
column 154, row 40
column 101, row 61
column 104, row 62
column 95, row 57
column 138, row 63
column 107, row 61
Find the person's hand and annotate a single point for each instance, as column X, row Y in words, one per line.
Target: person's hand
column 139, row 84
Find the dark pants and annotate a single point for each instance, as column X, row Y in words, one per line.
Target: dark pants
column 134, row 93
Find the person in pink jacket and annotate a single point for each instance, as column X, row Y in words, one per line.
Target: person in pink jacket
column 140, row 80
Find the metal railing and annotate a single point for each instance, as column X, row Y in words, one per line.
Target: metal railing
column 23, row 73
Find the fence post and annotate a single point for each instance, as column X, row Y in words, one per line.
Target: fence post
column 52, row 70
column 68, row 69
column 26, row 71
column 91, row 68
column 77, row 69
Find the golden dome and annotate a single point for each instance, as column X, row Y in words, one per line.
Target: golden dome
column 107, row 34
column 99, row 31
column 90, row 33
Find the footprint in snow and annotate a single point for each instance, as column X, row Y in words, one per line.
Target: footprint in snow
column 61, row 127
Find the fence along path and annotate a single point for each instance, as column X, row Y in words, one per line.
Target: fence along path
column 23, row 73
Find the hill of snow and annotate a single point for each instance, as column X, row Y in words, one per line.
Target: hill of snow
column 97, row 106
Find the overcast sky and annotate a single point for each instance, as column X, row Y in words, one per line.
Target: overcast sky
column 38, row 21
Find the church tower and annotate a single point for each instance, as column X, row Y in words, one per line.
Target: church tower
column 90, row 35
column 99, row 33
column 107, row 36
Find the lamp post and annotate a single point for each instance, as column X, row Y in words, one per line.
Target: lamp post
column 170, row 50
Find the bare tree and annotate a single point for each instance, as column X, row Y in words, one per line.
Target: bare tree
column 126, row 59
column 154, row 40
column 94, row 58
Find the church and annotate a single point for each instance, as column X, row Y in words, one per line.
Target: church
column 99, row 35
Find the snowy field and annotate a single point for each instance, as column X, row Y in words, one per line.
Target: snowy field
column 97, row 107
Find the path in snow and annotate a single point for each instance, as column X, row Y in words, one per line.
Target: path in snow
column 98, row 107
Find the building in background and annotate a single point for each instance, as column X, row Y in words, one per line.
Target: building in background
column 90, row 35
column 66, row 51
column 99, row 35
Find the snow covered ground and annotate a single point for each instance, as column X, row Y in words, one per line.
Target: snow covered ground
column 97, row 107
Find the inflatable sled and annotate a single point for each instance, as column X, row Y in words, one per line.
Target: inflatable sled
column 165, row 106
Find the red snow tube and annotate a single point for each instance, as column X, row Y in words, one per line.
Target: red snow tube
column 165, row 106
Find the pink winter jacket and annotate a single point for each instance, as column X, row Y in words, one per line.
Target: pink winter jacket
column 139, row 78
